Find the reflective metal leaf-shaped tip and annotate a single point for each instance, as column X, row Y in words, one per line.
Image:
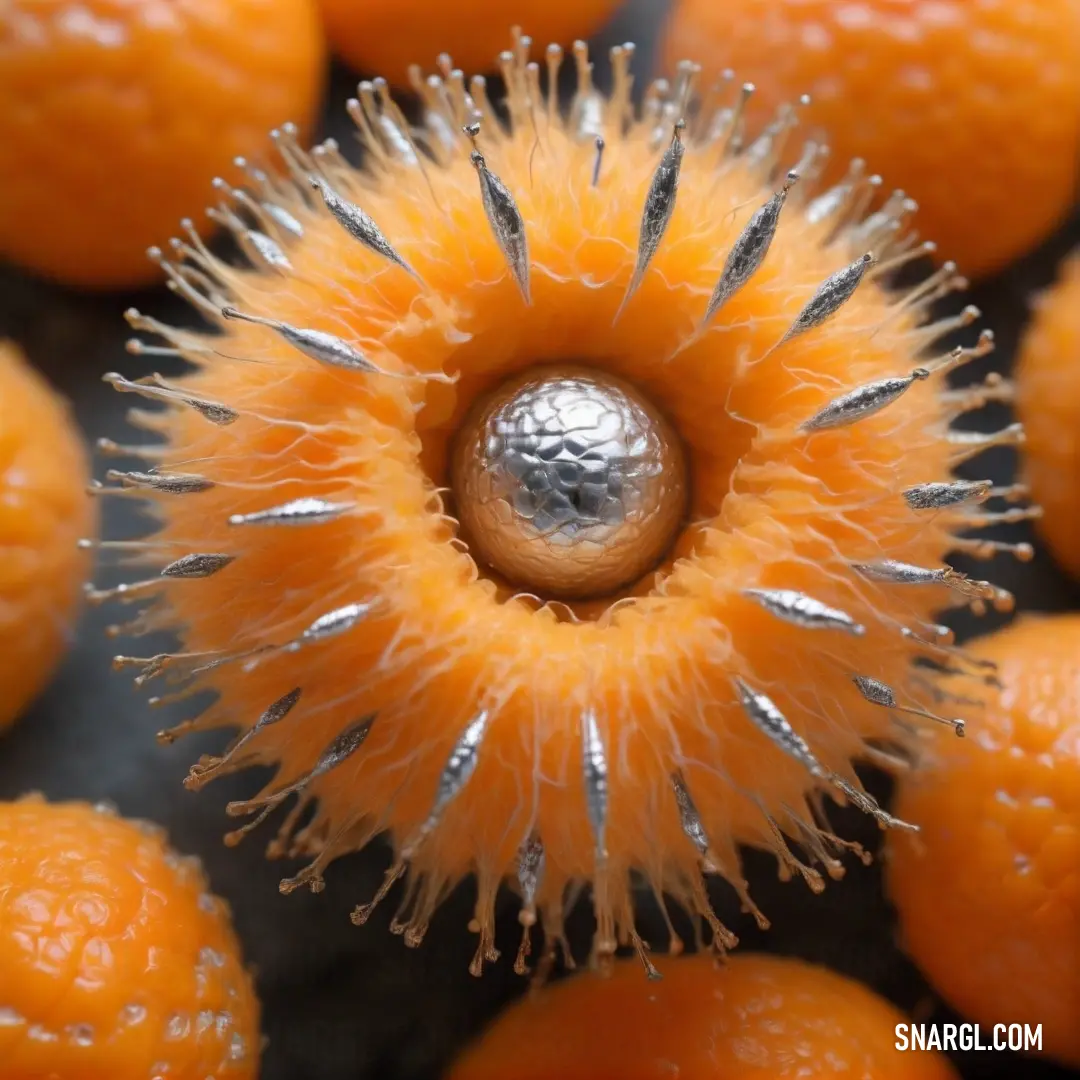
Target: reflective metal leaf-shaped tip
column 165, row 483
column 459, row 768
column 359, row 225
column 804, row 611
column 333, row 623
column 507, row 224
column 862, row 402
column 772, row 723
column 749, row 250
column 197, row 566
column 935, row 496
column 595, row 770
column 656, row 215
column 303, row 511
column 316, row 344
column 878, row 693
column 831, row 295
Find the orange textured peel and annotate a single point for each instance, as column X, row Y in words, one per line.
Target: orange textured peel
column 44, row 511
column 117, row 962
column 322, row 590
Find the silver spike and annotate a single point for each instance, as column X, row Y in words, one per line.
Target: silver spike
column 749, row 250
column 342, row 747
column 802, row 610
column 269, row 250
column 831, row 295
column 457, row 772
column 197, row 566
column 345, row 745
column 878, row 693
column 689, row 818
column 770, row 721
column 530, row 869
column 939, row 494
column 305, row 511
column 897, row 573
column 507, row 224
column 279, row 709
column 282, row 217
column 359, row 225
column 166, row 483
column 338, row 621
column 214, row 411
column 595, row 767
column 861, row 402
column 316, row 344
column 656, row 215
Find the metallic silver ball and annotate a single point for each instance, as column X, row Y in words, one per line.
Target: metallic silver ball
column 568, row 482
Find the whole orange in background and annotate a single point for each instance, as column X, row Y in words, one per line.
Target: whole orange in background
column 753, row 1017
column 972, row 107
column 44, row 511
column 115, row 115
column 989, row 892
column 1048, row 400
column 117, row 962
column 384, row 37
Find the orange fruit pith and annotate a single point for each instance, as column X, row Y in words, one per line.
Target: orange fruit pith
column 44, row 511
column 1048, row 399
column 972, row 107
column 399, row 684
column 988, row 892
column 117, row 962
column 754, row 1016
column 388, row 37
column 116, row 114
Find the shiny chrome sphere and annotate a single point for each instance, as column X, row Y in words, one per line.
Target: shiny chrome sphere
column 568, row 482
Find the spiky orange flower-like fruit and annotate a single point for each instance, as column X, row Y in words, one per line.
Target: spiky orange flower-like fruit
column 657, row 335
column 1048, row 399
column 389, row 37
column 44, row 510
column 924, row 91
column 989, row 891
column 116, row 114
column 118, row 963
column 754, row 1016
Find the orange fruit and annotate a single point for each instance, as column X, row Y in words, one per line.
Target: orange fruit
column 1048, row 399
column 390, row 664
column 44, row 511
column 754, row 1016
column 988, row 892
column 118, row 963
column 971, row 108
column 115, row 115
column 385, row 37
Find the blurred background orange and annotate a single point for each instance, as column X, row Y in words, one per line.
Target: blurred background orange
column 115, row 115
column 972, row 107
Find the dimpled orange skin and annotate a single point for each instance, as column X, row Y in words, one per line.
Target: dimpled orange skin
column 989, row 892
column 118, row 963
column 44, row 511
column 970, row 106
column 1048, row 399
column 385, row 37
column 753, row 1017
column 116, row 114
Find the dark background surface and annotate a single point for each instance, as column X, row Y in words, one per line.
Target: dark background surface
column 347, row 1003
